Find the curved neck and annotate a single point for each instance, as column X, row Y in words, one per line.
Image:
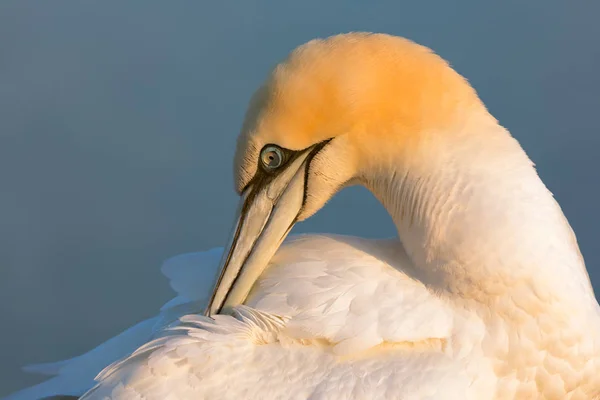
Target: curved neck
column 479, row 213
column 484, row 232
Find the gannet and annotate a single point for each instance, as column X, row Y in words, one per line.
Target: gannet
column 483, row 295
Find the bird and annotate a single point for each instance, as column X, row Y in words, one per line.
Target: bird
column 483, row 294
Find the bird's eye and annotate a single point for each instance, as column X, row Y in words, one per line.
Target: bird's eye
column 271, row 157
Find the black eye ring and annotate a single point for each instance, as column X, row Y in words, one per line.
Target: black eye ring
column 272, row 157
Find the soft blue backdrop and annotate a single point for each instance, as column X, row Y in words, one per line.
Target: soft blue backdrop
column 118, row 119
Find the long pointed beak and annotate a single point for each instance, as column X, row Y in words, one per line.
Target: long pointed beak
column 267, row 212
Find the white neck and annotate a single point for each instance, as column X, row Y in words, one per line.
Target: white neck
column 484, row 233
column 472, row 209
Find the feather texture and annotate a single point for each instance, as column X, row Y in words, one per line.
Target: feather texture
column 486, row 296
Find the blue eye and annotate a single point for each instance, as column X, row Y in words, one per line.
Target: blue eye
column 271, row 157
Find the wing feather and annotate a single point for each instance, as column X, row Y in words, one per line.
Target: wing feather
column 352, row 292
column 322, row 297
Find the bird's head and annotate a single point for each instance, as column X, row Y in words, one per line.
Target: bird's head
column 335, row 112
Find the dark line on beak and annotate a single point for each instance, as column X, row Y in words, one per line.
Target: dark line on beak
column 318, row 147
column 236, row 236
column 259, row 181
column 243, row 264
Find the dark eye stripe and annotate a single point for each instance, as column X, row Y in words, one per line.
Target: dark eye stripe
column 264, row 175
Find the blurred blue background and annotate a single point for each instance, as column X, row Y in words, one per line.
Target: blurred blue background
column 118, row 121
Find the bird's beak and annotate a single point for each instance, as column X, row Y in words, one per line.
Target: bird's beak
column 267, row 212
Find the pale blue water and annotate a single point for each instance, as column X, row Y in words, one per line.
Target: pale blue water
column 118, row 119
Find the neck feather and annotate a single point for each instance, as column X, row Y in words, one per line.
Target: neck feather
column 484, row 233
column 479, row 223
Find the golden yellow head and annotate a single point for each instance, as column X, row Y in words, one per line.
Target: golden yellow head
column 332, row 112
column 369, row 87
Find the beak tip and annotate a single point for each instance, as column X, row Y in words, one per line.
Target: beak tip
column 210, row 312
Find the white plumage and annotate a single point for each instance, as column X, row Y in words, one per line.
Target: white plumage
column 485, row 295
column 326, row 287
